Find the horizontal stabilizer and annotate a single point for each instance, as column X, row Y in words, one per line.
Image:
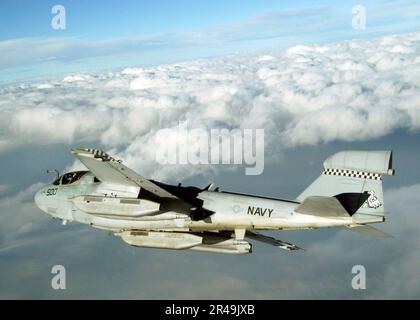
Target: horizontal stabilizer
column 341, row 205
column 369, row 231
column 322, row 207
column 274, row 242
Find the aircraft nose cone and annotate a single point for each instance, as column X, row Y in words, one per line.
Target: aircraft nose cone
column 38, row 199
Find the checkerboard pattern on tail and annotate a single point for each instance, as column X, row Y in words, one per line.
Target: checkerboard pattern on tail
column 352, row 173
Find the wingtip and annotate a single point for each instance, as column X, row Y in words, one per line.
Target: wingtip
column 80, row 150
column 90, row 151
column 291, row 249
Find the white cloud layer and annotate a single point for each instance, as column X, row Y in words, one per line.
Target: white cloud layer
column 354, row 90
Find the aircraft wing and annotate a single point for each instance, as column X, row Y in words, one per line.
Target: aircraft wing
column 108, row 169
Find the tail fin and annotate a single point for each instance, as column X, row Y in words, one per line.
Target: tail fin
column 356, row 172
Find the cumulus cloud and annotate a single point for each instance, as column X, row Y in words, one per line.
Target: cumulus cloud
column 305, row 95
column 3, row 188
column 19, row 216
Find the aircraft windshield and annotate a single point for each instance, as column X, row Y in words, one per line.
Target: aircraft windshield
column 72, row 177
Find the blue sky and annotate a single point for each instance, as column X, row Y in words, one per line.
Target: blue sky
column 113, row 34
column 97, row 19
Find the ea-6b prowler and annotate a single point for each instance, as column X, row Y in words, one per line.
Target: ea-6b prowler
column 148, row 213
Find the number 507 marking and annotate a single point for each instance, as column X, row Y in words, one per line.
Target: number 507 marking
column 52, row 192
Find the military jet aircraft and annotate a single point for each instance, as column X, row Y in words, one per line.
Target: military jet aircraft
column 148, row 213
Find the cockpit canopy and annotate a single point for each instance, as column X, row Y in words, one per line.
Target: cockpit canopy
column 71, row 177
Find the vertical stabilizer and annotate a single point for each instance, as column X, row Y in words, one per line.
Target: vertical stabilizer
column 355, row 172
